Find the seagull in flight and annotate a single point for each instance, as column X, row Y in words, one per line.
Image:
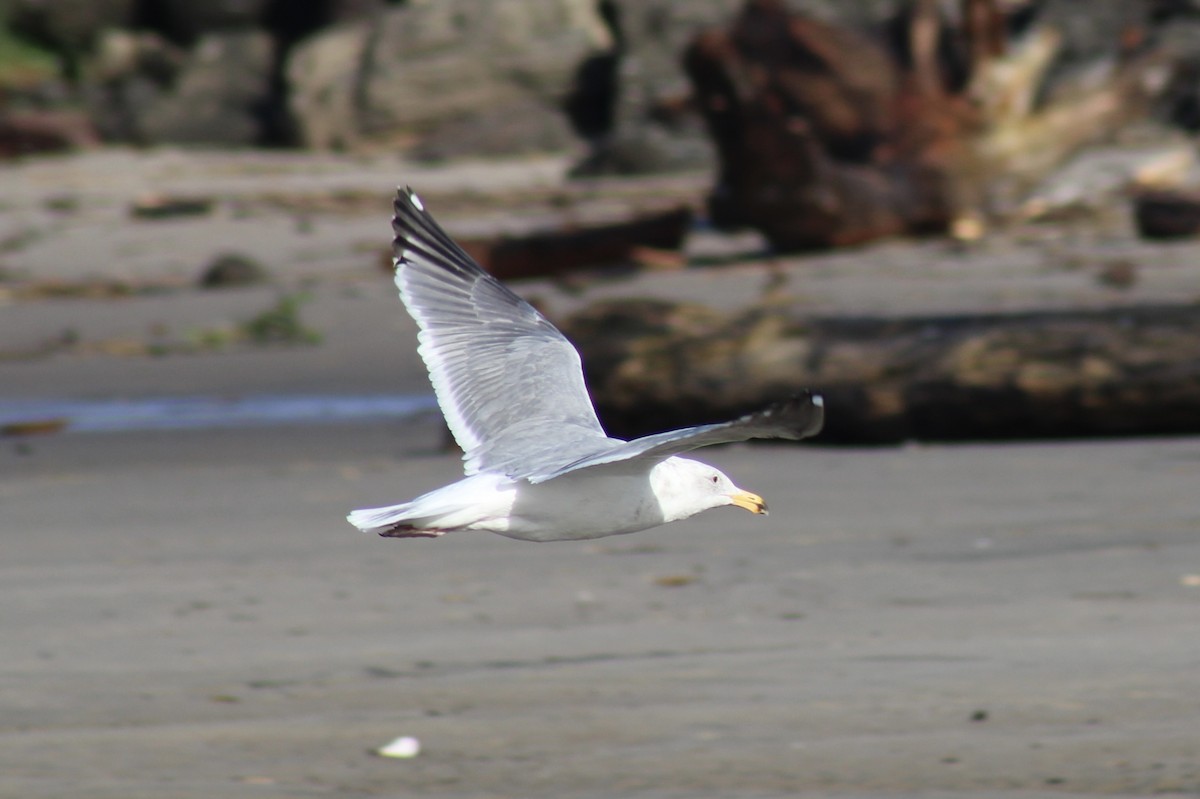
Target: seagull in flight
column 539, row 467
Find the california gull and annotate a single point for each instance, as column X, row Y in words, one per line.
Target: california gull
column 539, row 467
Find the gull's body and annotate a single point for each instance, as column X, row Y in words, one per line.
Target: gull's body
column 590, row 503
column 539, row 466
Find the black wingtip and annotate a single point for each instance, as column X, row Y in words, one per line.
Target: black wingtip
column 408, row 205
column 817, row 405
column 417, row 234
column 801, row 415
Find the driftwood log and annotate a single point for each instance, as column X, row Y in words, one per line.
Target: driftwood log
column 829, row 136
column 554, row 252
column 654, row 365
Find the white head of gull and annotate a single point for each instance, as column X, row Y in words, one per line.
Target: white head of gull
column 539, row 467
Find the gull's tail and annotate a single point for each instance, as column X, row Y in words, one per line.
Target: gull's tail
column 379, row 520
column 394, row 521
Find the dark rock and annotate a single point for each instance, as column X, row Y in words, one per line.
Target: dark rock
column 1167, row 214
column 292, row 20
column 288, row 20
column 165, row 206
column 1181, row 37
column 591, row 103
column 1119, row 273
column 188, row 20
column 231, row 270
column 626, row 101
column 44, row 131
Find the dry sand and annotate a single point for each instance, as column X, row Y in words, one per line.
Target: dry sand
column 186, row 614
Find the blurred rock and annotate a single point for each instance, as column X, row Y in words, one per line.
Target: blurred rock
column 423, row 68
column 1086, row 35
column 1181, row 36
column 218, row 95
column 291, row 20
column 333, row 12
column 44, row 131
column 119, row 53
column 166, row 206
column 1168, row 214
column 430, row 62
column 323, row 78
column 188, row 20
column 69, row 27
column 127, row 74
column 467, row 77
column 233, row 270
column 1118, row 273
column 624, row 101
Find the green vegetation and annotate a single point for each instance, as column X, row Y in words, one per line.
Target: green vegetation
column 22, row 63
column 280, row 324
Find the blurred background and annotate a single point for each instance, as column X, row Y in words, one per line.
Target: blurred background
column 971, row 224
column 991, row 157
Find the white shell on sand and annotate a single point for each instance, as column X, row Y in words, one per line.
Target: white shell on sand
column 403, row 747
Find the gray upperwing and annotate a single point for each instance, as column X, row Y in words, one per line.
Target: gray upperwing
column 795, row 418
column 509, row 383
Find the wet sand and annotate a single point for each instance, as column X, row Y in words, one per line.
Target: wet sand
column 187, row 614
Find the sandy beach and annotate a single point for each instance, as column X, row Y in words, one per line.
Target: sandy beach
column 185, row 613
column 188, row 616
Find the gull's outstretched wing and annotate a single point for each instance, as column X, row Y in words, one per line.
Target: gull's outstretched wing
column 799, row 417
column 509, row 384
